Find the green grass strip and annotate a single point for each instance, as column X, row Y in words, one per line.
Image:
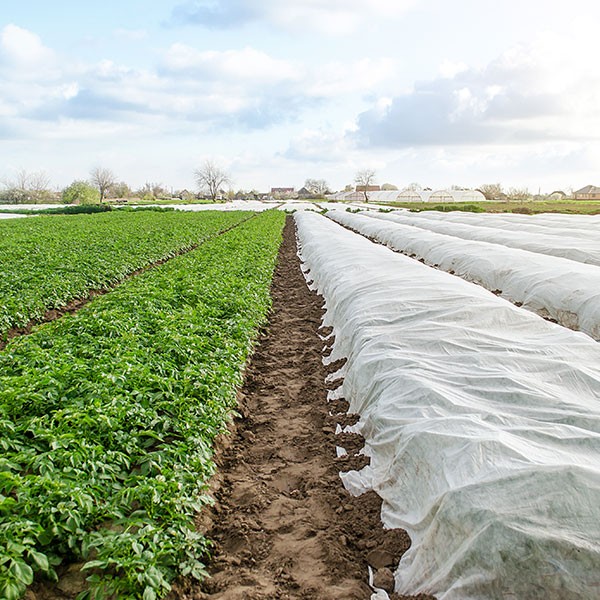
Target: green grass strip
column 107, row 419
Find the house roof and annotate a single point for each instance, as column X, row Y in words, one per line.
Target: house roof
column 589, row 189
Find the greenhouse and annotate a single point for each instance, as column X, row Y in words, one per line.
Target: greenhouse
column 410, row 195
column 448, row 196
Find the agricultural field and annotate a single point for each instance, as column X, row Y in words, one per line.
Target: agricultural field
column 46, row 262
column 539, row 272
column 576, row 207
column 107, row 417
column 481, row 419
column 417, row 415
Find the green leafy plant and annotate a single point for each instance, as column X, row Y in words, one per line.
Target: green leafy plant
column 46, row 263
column 107, row 418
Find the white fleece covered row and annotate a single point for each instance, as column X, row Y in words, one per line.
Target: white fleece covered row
column 578, row 248
column 563, row 289
column 482, row 421
column 556, row 221
column 550, row 223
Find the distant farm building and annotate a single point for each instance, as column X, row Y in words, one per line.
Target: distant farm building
column 447, row 196
column 346, row 197
column 589, row 192
column 382, row 196
column 410, row 195
column 557, row 195
column 305, row 194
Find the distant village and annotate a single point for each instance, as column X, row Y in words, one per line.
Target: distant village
column 414, row 193
column 214, row 184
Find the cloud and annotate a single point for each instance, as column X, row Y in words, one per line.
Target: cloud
column 333, row 17
column 529, row 93
column 23, row 47
column 86, row 105
column 334, row 79
column 247, row 65
column 23, row 54
column 244, row 89
column 219, row 15
column 317, row 146
column 266, row 112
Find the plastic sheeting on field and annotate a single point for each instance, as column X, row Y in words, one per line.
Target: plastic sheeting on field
column 252, row 205
column 550, row 223
column 581, row 248
column 11, row 216
column 482, row 421
column 562, row 289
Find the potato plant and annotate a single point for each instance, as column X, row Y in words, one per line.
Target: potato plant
column 45, row 262
column 107, row 419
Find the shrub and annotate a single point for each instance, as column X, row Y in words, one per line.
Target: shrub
column 81, row 192
column 78, row 209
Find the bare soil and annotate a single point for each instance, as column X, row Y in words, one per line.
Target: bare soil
column 283, row 525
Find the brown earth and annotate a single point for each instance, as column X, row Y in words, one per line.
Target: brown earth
column 284, row 526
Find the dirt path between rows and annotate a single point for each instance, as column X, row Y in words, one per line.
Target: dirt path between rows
column 283, row 525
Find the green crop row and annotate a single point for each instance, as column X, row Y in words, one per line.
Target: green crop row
column 45, row 262
column 107, row 419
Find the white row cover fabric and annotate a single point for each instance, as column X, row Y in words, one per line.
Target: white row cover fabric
column 253, row 205
column 551, row 224
column 581, row 249
column 562, row 289
column 482, row 421
column 11, row 216
column 28, row 206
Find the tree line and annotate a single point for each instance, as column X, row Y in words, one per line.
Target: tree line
column 212, row 181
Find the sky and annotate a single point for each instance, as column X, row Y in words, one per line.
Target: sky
column 437, row 92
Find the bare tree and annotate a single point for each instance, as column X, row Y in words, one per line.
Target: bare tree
column 210, row 179
column 364, row 179
column 518, row 194
column 28, row 187
column 491, row 191
column 153, row 190
column 102, row 178
column 120, row 190
column 22, row 180
column 317, row 187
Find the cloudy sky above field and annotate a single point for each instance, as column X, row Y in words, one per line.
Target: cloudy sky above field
column 432, row 91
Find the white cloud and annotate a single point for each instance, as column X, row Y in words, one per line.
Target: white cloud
column 334, row 79
column 540, row 91
column 248, row 65
column 449, row 69
column 207, row 90
column 332, row 17
column 316, row 145
column 24, row 48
